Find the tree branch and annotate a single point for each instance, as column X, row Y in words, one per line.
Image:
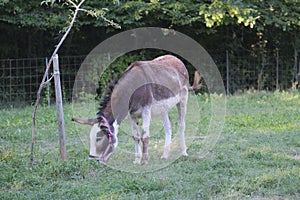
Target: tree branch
column 100, row 14
column 33, row 129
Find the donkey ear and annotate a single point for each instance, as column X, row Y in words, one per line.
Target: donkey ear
column 85, row 121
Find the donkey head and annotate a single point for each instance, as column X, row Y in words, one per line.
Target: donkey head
column 103, row 138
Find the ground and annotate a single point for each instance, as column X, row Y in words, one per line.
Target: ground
column 256, row 156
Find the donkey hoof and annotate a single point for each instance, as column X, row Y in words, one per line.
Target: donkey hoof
column 144, row 162
column 164, row 156
column 166, row 153
column 137, row 162
column 185, row 154
column 145, row 159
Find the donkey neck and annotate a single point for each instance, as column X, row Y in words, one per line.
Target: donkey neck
column 113, row 115
column 107, row 113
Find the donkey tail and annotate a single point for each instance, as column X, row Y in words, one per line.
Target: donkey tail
column 196, row 85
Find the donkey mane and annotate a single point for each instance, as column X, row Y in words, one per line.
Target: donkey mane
column 105, row 100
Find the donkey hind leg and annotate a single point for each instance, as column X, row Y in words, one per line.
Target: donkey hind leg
column 137, row 140
column 168, row 135
column 146, row 118
column 181, row 107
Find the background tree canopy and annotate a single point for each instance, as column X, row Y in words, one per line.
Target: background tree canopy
column 31, row 29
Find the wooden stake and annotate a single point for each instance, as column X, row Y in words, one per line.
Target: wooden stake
column 59, row 109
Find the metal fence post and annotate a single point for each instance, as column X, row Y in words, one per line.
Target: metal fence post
column 48, row 88
column 59, row 109
column 277, row 69
column 10, row 83
column 227, row 73
column 299, row 74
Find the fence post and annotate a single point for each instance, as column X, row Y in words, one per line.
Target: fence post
column 227, row 73
column 10, row 83
column 299, row 75
column 48, row 88
column 59, row 109
column 277, row 69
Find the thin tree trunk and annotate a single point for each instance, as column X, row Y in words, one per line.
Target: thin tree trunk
column 33, row 128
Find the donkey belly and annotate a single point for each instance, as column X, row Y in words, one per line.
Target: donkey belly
column 163, row 106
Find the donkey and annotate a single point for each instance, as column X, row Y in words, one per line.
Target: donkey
column 145, row 89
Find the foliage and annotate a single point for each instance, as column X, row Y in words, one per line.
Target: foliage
column 283, row 14
column 198, row 16
column 220, row 12
column 256, row 157
column 32, row 14
column 29, row 28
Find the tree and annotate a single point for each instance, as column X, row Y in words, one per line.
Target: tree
column 77, row 8
column 216, row 24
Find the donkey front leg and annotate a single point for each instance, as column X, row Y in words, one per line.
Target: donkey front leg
column 168, row 135
column 137, row 140
column 146, row 118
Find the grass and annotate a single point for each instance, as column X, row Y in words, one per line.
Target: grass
column 255, row 157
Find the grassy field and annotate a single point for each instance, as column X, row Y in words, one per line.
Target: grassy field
column 257, row 155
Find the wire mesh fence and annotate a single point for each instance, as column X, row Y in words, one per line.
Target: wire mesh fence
column 20, row 78
column 267, row 71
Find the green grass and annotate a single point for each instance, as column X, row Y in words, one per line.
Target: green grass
column 255, row 157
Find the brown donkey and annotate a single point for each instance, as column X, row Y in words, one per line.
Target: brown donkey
column 145, row 89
